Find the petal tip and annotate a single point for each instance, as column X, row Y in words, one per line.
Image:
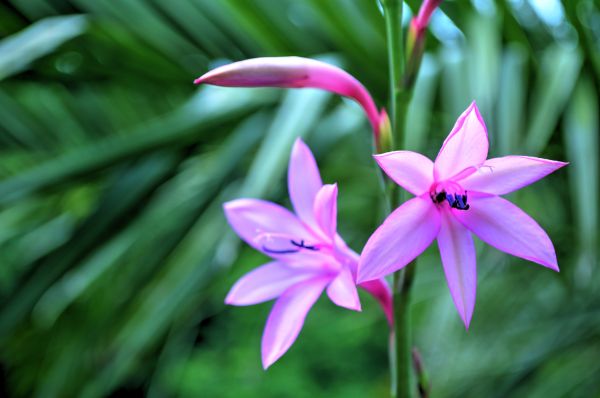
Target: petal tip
column 298, row 141
column 230, row 298
column 229, row 205
column 300, row 149
column 229, row 208
column 473, row 107
column 266, row 364
column 467, row 323
column 269, row 358
column 356, row 306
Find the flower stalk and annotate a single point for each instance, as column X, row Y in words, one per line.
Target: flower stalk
column 395, row 49
column 422, row 379
column 400, row 341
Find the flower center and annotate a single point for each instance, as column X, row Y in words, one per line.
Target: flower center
column 450, row 192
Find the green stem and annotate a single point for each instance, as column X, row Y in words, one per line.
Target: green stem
column 402, row 344
column 400, row 339
column 395, row 48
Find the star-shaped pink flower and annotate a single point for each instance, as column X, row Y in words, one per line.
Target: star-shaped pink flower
column 457, row 195
column 308, row 255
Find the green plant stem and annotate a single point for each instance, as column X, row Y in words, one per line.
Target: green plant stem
column 395, row 48
column 400, row 339
column 402, row 345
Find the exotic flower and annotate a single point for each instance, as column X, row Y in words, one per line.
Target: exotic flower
column 308, row 255
column 296, row 72
column 455, row 196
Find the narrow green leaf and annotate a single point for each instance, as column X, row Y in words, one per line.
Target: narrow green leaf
column 39, row 39
column 211, row 107
column 511, row 101
column 580, row 134
column 421, row 105
column 559, row 70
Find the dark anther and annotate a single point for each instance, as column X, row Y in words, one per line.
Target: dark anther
column 459, row 202
column 298, row 247
column 455, row 201
column 440, row 197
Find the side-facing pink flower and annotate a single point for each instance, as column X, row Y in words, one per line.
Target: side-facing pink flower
column 296, row 72
column 455, row 196
column 308, row 255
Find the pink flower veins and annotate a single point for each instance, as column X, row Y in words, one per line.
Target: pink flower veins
column 455, row 196
column 308, row 255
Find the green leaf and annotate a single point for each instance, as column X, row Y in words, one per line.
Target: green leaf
column 18, row 51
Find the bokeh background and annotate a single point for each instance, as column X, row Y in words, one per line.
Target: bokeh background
column 115, row 256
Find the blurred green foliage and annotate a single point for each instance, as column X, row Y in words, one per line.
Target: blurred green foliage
column 115, row 257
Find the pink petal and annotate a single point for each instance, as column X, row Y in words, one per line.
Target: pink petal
column 344, row 255
column 380, row 290
column 255, row 220
column 402, row 237
column 287, row 317
column 411, row 170
column 326, row 209
column 500, row 176
column 466, row 146
column 293, row 72
column 458, row 257
column 304, row 182
column 265, row 283
column 342, row 291
column 503, row 225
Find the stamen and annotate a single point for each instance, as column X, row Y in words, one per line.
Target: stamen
column 301, row 245
column 298, row 246
column 455, row 201
column 450, row 199
column 460, row 202
column 440, row 197
column 273, row 251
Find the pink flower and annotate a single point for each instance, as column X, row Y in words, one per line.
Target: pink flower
column 295, row 72
column 308, row 255
column 455, row 196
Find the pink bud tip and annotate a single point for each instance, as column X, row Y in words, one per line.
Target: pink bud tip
column 422, row 20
